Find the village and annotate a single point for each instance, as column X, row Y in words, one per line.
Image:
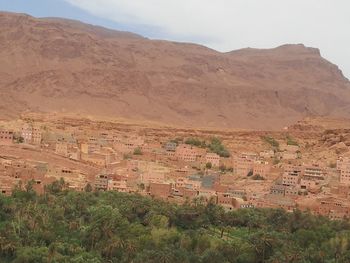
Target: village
column 244, row 170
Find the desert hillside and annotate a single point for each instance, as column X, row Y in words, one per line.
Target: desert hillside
column 57, row 65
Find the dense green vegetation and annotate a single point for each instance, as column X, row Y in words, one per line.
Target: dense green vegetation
column 215, row 145
column 137, row 151
column 291, row 141
column 225, row 169
column 177, row 140
column 196, row 142
column 272, row 141
column 208, row 165
column 66, row 226
column 257, row 177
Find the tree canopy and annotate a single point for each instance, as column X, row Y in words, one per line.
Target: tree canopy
column 215, row 145
column 68, row 226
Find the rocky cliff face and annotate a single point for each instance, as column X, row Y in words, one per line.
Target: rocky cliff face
column 56, row 65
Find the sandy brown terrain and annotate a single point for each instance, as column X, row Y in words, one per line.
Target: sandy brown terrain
column 40, row 155
column 56, row 65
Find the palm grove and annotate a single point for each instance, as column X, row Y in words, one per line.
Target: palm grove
column 67, row 226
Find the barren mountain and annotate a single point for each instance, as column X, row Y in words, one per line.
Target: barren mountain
column 57, row 65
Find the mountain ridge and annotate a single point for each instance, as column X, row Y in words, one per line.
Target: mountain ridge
column 58, row 65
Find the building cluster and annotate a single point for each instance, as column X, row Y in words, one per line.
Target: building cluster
column 18, row 173
column 163, row 168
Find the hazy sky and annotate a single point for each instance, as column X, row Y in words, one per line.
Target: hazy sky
column 220, row 24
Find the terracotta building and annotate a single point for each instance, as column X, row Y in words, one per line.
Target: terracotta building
column 160, row 190
column 262, row 168
column 101, row 182
column 243, row 164
column 6, row 137
column 118, row 183
column 333, row 208
column 314, row 172
column 62, row 149
column 343, row 166
column 228, row 201
column 170, row 146
column 292, row 175
column 189, row 153
column 188, row 184
column 31, row 133
column 212, row 158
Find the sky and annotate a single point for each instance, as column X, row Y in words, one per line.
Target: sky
column 223, row 25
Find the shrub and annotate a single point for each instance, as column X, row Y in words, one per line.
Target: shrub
column 127, row 156
column 332, row 165
column 271, row 141
column 258, row 177
column 217, row 147
column 291, row 141
column 222, row 168
column 137, row 151
column 195, row 142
